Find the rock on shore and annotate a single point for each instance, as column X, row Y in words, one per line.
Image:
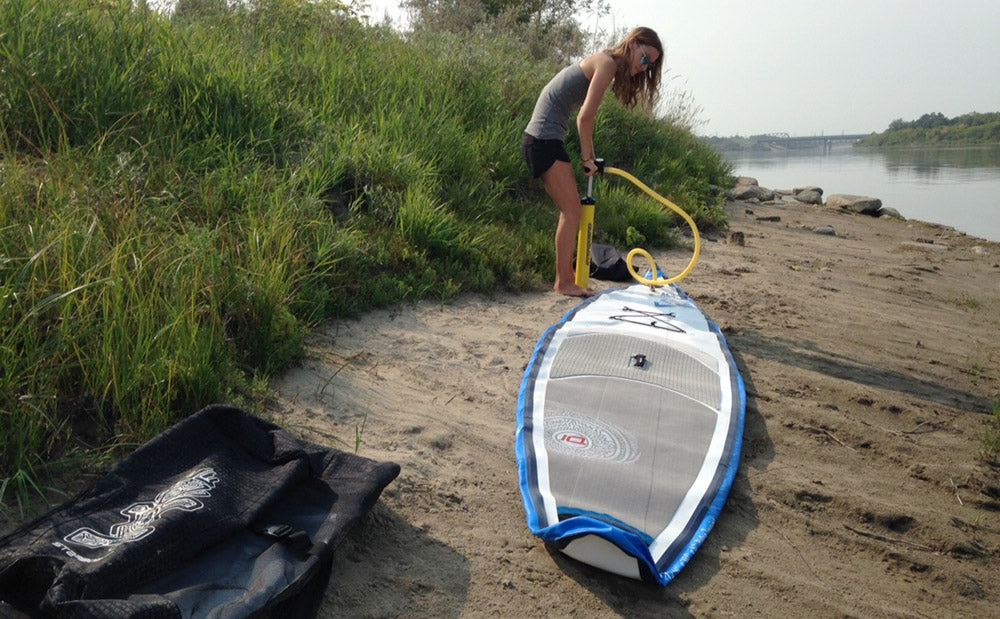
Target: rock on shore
column 862, row 205
column 748, row 189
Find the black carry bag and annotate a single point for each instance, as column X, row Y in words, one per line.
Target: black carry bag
column 606, row 263
column 223, row 515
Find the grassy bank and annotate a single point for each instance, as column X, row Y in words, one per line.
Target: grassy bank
column 182, row 197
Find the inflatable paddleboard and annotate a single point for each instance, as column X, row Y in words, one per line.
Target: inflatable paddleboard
column 629, row 428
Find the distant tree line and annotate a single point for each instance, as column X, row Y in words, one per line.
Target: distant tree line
column 936, row 128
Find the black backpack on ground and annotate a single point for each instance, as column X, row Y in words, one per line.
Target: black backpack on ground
column 606, row 263
column 223, row 515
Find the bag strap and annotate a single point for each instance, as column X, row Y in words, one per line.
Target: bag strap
column 287, row 534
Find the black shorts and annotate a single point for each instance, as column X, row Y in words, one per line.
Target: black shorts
column 541, row 154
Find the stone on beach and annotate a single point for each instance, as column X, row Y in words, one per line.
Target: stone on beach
column 809, row 195
column 747, row 188
column 856, row 204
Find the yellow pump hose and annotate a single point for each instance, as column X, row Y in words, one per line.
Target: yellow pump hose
column 657, row 281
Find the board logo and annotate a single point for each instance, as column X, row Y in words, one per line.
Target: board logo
column 572, row 439
column 578, row 435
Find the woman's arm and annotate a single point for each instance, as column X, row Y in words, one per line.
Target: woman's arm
column 601, row 70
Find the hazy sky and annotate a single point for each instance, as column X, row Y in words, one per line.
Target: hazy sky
column 810, row 67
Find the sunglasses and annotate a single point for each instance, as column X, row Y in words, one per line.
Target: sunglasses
column 644, row 60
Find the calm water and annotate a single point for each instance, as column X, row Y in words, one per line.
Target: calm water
column 958, row 187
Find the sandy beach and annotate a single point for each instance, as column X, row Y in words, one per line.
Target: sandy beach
column 871, row 360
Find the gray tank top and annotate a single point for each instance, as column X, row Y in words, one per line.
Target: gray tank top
column 565, row 92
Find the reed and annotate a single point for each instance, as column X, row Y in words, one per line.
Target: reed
column 182, row 197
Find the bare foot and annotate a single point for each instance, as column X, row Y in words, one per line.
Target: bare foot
column 572, row 290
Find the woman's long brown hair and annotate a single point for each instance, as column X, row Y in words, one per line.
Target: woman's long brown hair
column 641, row 89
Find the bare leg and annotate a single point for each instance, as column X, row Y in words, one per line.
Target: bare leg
column 561, row 187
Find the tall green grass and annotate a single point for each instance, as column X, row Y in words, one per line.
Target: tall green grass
column 182, row 197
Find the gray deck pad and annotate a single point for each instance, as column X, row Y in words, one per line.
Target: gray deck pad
column 690, row 372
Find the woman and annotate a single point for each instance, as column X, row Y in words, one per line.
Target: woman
column 632, row 70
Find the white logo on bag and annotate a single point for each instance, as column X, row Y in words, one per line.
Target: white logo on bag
column 184, row 495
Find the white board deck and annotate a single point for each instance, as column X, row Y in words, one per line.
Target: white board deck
column 630, row 423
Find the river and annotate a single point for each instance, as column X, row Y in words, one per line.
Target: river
column 958, row 187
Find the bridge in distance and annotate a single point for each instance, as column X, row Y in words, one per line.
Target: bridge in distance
column 779, row 139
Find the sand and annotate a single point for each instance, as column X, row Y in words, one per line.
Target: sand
column 871, row 360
